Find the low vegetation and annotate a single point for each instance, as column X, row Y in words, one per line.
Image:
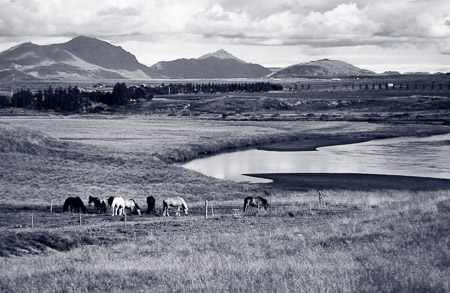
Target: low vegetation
column 382, row 240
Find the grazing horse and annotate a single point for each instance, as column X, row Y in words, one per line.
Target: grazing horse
column 174, row 202
column 151, row 204
column 100, row 204
column 75, row 204
column 132, row 205
column 255, row 202
column 119, row 204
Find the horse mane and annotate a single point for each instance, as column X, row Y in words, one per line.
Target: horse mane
column 263, row 200
column 136, row 205
column 81, row 204
column 183, row 203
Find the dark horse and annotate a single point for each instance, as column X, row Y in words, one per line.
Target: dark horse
column 151, row 204
column 99, row 204
column 75, row 204
column 255, row 202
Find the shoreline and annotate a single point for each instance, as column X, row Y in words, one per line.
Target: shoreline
column 311, row 144
column 352, row 181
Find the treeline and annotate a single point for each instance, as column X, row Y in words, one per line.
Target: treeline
column 74, row 99
column 71, row 99
column 211, row 88
column 385, row 86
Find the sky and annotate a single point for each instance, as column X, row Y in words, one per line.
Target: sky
column 379, row 35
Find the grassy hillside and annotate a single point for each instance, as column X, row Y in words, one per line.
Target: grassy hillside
column 358, row 241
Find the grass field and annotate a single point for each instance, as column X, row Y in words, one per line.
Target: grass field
column 381, row 240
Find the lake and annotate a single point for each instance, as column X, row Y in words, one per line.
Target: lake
column 409, row 156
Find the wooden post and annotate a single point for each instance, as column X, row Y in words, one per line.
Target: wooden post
column 125, row 214
column 80, row 219
column 212, row 210
column 310, row 211
column 32, row 220
column 51, row 206
column 206, row 209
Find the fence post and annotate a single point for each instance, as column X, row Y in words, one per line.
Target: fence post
column 32, row 220
column 80, row 219
column 206, row 209
column 51, row 206
column 212, row 210
column 125, row 214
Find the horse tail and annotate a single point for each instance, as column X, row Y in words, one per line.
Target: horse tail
column 165, row 208
column 103, row 207
column 66, row 205
column 245, row 205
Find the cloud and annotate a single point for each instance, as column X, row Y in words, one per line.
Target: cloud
column 313, row 23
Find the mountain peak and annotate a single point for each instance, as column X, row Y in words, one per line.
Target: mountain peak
column 221, row 54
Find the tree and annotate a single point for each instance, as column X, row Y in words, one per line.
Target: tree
column 120, row 94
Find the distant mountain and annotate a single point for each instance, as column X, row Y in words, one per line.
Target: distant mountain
column 324, row 68
column 391, row 73
column 416, row 73
column 80, row 58
column 220, row 64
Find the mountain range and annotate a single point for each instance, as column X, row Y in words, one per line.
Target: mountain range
column 86, row 58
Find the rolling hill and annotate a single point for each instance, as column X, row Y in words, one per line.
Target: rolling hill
column 322, row 68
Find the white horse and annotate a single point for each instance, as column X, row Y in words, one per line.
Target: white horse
column 174, row 202
column 132, row 205
column 119, row 204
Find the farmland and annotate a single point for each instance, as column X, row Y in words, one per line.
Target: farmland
column 359, row 240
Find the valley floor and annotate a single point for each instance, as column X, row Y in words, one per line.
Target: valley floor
column 360, row 240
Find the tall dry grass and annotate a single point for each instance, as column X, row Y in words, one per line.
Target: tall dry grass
column 398, row 245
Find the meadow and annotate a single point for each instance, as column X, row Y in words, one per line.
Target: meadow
column 384, row 240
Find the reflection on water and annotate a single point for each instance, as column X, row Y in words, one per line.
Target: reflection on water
column 413, row 156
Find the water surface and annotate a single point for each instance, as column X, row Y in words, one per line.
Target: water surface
column 410, row 156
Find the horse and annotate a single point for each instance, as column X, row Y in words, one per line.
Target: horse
column 174, row 202
column 151, row 204
column 255, row 202
column 99, row 204
column 119, row 204
column 75, row 204
column 132, row 205
column 110, row 200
